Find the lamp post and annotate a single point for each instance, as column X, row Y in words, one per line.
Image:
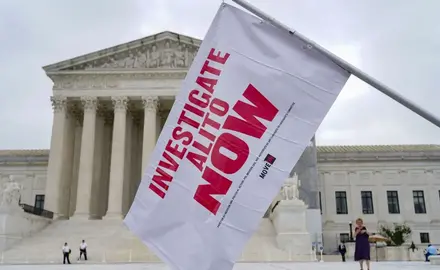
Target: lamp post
column 350, row 225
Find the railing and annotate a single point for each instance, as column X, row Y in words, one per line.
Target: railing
column 36, row 211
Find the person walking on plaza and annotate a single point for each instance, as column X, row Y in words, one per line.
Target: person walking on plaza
column 342, row 250
column 83, row 250
column 66, row 253
column 362, row 248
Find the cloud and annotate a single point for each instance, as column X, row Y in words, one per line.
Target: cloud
column 396, row 41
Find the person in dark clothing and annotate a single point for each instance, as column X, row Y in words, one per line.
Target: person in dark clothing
column 66, row 253
column 362, row 248
column 413, row 247
column 342, row 250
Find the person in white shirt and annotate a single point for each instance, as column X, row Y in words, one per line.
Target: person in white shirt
column 66, row 253
column 83, row 250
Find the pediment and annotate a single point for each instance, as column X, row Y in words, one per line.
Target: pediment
column 165, row 50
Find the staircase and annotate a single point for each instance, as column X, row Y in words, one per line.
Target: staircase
column 110, row 241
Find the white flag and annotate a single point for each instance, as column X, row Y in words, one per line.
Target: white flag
column 252, row 100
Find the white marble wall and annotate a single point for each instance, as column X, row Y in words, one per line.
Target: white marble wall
column 379, row 177
column 33, row 179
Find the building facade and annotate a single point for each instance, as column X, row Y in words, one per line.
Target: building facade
column 381, row 184
column 110, row 106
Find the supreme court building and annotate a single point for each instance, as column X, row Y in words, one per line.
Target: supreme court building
column 109, row 108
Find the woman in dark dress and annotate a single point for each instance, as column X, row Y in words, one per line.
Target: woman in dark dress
column 362, row 249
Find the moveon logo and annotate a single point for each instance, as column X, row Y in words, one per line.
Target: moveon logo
column 270, row 160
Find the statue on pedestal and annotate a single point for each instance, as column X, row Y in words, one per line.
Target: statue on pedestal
column 10, row 193
column 290, row 190
column 289, row 220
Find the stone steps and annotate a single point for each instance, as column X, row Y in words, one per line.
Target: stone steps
column 110, row 241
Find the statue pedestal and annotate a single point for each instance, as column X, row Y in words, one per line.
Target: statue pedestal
column 16, row 224
column 289, row 219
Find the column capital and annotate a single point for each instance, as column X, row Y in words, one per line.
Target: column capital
column 90, row 104
column 151, row 103
column 120, row 103
column 59, row 103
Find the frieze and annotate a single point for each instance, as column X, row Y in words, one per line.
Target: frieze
column 165, row 54
column 108, row 81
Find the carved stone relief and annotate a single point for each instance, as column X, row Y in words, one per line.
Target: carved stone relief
column 163, row 54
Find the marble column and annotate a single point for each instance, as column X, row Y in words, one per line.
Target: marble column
column 116, row 187
column 75, row 169
column 58, row 157
column 138, row 164
column 151, row 106
column 103, row 191
column 97, row 166
column 87, row 156
column 128, row 161
column 135, row 164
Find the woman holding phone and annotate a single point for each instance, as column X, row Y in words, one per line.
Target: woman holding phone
column 362, row 248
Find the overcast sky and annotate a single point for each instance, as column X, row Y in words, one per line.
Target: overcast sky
column 396, row 41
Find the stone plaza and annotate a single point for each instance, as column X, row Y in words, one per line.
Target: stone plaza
column 239, row 266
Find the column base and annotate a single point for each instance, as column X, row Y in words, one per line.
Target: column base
column 95, row 217
column 80, row 216
column 114, row 216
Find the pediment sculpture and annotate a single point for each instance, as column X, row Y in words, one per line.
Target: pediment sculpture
column 290, row 188
column 10, row 193
column 163, row 54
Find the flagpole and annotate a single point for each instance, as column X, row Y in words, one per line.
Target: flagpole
column 345, row 65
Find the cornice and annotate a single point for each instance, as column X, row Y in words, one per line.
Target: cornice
column 377, row 157
column 41, row 157
column 24, row 163
column 116, row 71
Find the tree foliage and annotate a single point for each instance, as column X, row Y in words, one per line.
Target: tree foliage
column 398, row 233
